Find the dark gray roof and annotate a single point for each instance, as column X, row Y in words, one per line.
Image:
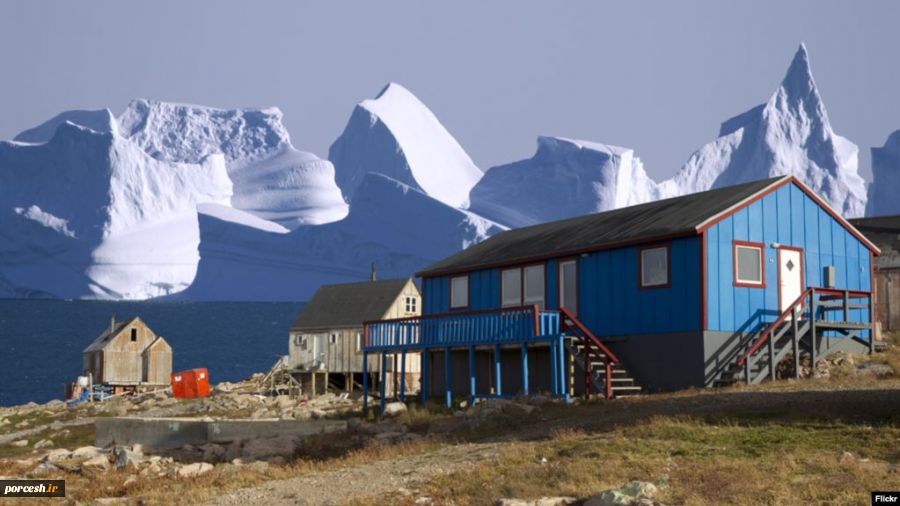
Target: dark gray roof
column 884, row 231
column 101, row 341
column 661, row 219
column 348, row 305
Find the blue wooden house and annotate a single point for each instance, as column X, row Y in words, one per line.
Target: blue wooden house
column 704, row 289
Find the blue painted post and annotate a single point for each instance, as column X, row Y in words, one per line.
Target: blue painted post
column 447, row 387
column 426, row 375
column 524, row 368
column 497, row 369
column 553, row 363
column 471, row 375
column 365, row 379
column 561, row 367
column 383, row 378
column 403, row 375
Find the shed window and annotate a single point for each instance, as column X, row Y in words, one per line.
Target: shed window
column 410, row 304
column 133, row 335
column 748, row 264
column 332, row 339
column 459, row 292
column 534, row 285
column 655, row 266
column 511, row 290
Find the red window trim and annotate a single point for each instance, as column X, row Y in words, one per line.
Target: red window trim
column 762, row 264
column 640, row 262
column 468, row 292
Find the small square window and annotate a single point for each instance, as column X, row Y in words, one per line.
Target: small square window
column 655, row 266
column 459, row 292
column 332, row 339
column 133, row 335
column 748, row 264
column 411, row 305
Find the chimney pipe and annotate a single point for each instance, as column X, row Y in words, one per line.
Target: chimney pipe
column 112, row 323
column 374, row 274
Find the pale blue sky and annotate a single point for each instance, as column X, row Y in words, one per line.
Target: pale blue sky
column 657, row 76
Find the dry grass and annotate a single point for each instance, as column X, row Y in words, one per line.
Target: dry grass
column 701, row 463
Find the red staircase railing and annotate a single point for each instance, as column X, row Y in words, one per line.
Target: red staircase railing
column 590, row 343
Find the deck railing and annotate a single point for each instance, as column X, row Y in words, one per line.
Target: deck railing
column 462, row 328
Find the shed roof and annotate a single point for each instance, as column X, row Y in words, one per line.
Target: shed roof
column 350, row 304
column 885, row 232
column 660, row 220
column 103, row 339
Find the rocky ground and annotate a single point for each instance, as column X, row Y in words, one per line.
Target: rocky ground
column 512, row 453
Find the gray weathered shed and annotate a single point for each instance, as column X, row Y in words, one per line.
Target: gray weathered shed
column 128, row 353
column 884, row 231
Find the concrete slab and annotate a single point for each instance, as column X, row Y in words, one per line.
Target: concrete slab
column 165, row 433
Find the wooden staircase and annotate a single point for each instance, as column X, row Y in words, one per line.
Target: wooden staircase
column 602, row 369
column 805, row 328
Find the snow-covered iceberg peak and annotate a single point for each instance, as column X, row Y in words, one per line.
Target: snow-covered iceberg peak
column 395, row 134
column 564, row 178
column 101, row 120
column 886, row 178
column 272, row 179
column 788, row 135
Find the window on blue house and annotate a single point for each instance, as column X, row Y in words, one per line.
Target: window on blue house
column 654, row 266
column 534, row 285
column 748, row 264
column 511, row 287
column 568, row 286
column 459, row 292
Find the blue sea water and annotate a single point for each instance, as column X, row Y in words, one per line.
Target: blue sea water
column 41, row 340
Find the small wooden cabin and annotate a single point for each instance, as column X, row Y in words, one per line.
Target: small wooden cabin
column 884, row 231
column 699, row 290
column 326, row 339
column 128, row 355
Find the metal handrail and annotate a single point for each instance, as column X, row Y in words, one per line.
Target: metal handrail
column 800, row 301
column 588, row 335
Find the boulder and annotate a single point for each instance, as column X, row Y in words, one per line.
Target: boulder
column 43, row 443
column 19, row 443
column 318, row 413
column 640, row 489
column 126, row 458
column 45, row 468
column 610, row 498
column 214, row 453
column 262, row 449
column 233, row 451
column 394, row 409
column 96, row 464
column 57, row 455
column 87, row 452
column 194, row 470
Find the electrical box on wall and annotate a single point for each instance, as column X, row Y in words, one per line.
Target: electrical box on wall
column 830, row 276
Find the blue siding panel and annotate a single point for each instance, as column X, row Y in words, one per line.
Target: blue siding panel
column 788, row 217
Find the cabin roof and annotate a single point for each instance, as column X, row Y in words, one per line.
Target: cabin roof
column 349, row 304
column 654, row 221
column 885, row 232
column 882, row 230
column 103, row 339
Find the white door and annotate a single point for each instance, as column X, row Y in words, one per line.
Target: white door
column 790, row 276
column 319, row 350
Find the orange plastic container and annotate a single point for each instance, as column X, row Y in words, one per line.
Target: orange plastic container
column 189, row 384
